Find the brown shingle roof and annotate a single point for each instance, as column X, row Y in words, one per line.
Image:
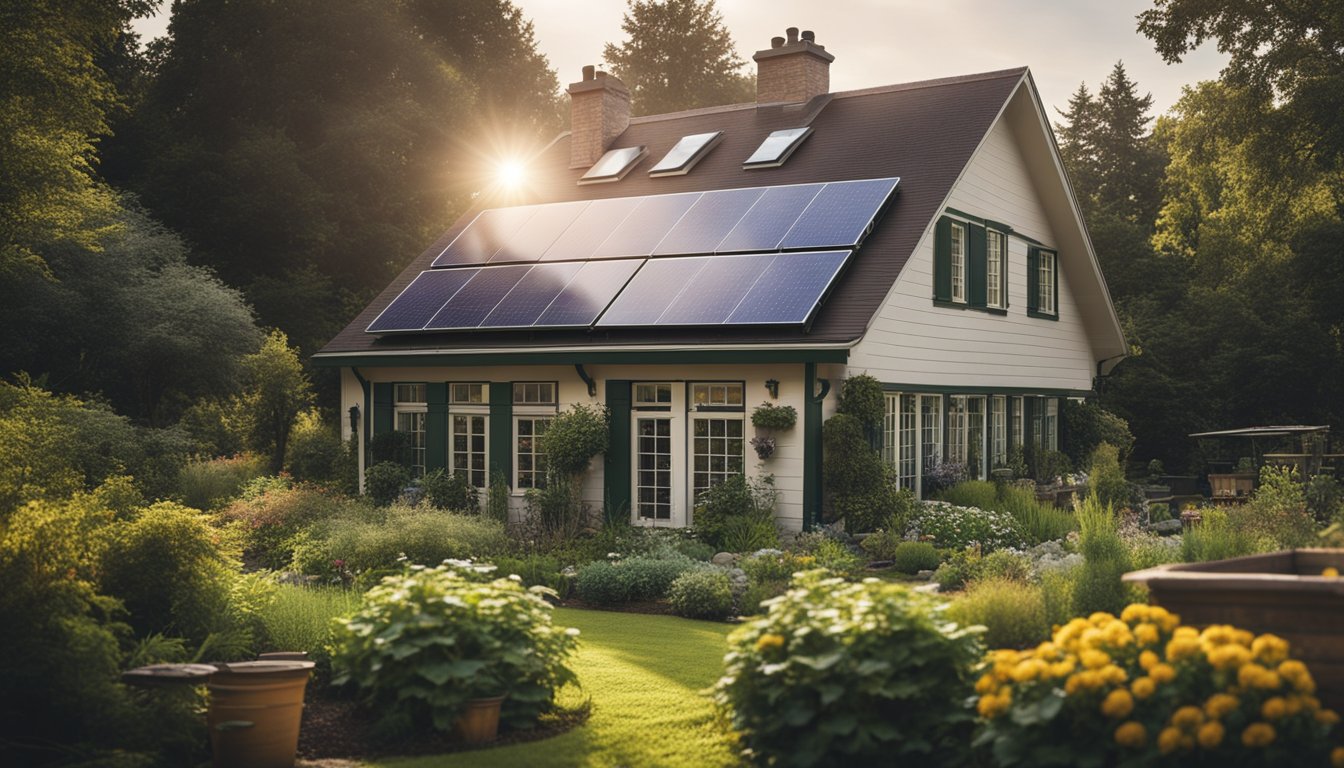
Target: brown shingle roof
column 923, row 132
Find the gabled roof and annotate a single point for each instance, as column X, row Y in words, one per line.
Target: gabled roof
column 923, row 132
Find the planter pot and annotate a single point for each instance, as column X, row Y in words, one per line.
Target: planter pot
column 479, row 724
column 1283, row 593
column 255, row 707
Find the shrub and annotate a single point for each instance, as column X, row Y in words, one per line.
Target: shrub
column 1057, row 586
column 882, row 544
column 497, row 498
column 169, row 570
column 915, row 556
column 748, row 534
column 385, row 481
column 1106, row 479
column 272, row 518
column 452, row 491
column 735, row 498
column 971, row 493
column 428, row 640
column 556, row 512
column 1105, row 560
column 776, row 566
column 534, row 570
column 771, row 416
column 760, row 591
column 315, row 448
column 862, row 397
column 1012, row 612
column 953, row 527
column 649, row 578
column 600, row 583
column 815, row 681
column 1088, row 425
column 1038, row 522
column 1005, row 565
column 1048, row 466
column 834, row 555
column 302, row 619
column 1142, row 690
column 211, row 483
column 1323, row 496
column 359, row 541
column 875, row 507
column 1215, row 538
column 702, row 593
column 695, row 550
column 1276, row 513
column 574, row 437
column 961, row 567
column 858, row 482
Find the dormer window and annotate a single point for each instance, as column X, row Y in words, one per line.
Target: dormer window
column 683, row 157
column 614, row 165
column 777, row 147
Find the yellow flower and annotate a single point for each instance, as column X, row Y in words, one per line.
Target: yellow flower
column 1258, row 735
column 1229, row 656
column 986, row 684
column 1117, row 704
column 1147, row 634
column 1062, row 668
column 1134, row 612
column 1292, row 705
column 1187, row 718
column 1094, row 659
column 1186, row 633
column 1131, row 734
column 1143, row 687
column 1085, row 680
column 1337, row 757
column 1255, row 676
column 1029, row 669
column 1220, row 705
column 1162, row 673
column 1270, row 649
column 1099, row 618
column 1147, row 659
column 1163, row 618
column 769, row 642
column 992, row 706
column 1113, row 674
column 1330, row 572
column 1182, row 648
column 1216, row 635
column 1169, row 740
column 1295, row 672
column 1327, row 717
column 1211, row 734
column 1274, row 708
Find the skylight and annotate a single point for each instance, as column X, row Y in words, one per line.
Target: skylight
column 777, row 147
column 614, row 165
column 683, row 157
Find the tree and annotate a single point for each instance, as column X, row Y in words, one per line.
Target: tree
column 276, row 392
column 678, row 55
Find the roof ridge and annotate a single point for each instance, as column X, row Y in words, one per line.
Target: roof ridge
column 934, row 83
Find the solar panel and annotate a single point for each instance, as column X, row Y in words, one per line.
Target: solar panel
column 531, row 241
column 613, row 165
column 651, row 291
column 840, row 214
column 487, row 233
column 642, row 230
column 789, row 289
column 777, row 147
column 708, row 221
column 716, row 290
column 525, row 302
column 590, row 229
column 469, row 306
column 418, row 302
column 682, row 158
column 769, row 220
column 589, row 293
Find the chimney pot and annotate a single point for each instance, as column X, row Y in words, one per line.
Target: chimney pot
column 588, row 72
column 776, row 42
column 792, row 70
column 599, row 112
column 792, row 32
column 809, row 36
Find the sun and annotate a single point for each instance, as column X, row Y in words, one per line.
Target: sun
column 511, row 173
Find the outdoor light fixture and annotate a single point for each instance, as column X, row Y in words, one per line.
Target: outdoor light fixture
column 772, row 385
column 354, row 420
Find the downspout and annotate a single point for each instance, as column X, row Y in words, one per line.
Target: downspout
column 812, row 446
column 592, row 385
column 368, row 415
column 1096, row 382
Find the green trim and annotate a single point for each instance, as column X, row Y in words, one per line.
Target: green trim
column 1041, row 315
column 1000, row 226
column 1034, row 281
column 812, row 451
column 959, row 305
column 930, row 389
column 382, row 407
column 366, row 424
column 976, row 268
column 594, row 357
column 436, row 426
column 616, row 462
column 942, row 260
column 500, row 430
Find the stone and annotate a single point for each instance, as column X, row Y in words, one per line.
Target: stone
column 1166, row 527
column 924, row 575
column 928, row 588
column 724, row 559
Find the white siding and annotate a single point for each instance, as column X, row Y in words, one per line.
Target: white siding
column 911, row 341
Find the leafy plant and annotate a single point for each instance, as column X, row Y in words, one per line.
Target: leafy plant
column 211, row 483
column 301, row 619
column 748, row 534
column 1214, row 537
column 359, row 541
column 1106, row 479
column 735, row 499
column 426, row 641
column 639, row 578
column 953, row 527
column 1013, row 613
column 315, row 448
column 497, row 498
column 861, row 397
column 1038, row 522
column 961, row 567
column 815, row 681
column 574, row 437
column 882, row 544
column 600, row 583
column 776, row 417
column 915, row 556
column 452, row 491
column 1088, row 426
column 272, row 518
column 702, row 593
column 385, row 481
column 1105, row 560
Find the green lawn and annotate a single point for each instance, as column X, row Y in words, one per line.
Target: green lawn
column 645, row 675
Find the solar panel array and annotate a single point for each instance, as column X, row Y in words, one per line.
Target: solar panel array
column 754, row 256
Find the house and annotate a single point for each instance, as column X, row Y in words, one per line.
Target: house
column 683, row 269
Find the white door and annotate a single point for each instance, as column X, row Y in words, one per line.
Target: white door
column 658, row 447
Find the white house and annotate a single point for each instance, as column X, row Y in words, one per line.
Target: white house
column 684, row 268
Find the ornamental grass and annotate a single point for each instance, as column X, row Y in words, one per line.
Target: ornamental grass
column 1142, row 690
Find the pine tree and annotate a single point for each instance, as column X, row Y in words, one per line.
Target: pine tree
column 1077, row 137
column 678, row 56
column 1128, row 166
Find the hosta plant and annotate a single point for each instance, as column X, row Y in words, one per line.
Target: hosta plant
column 426, row 641
column 843, row 673
column 1141, row 690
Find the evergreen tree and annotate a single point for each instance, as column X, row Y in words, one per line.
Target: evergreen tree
column 1077, row 137
column 678, row 55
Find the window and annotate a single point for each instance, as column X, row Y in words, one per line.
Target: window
column 653, row 394
column 534, row 406
column 1051, row 442
column 1042, row 283
column 931, row 432
column 966, row 433
column 683, row 157
column 533, row 393
column 725, row 394
column 468, row 419
column 900, row 445
column 614, row 165
column 409, row 406
column 998, row 435
column 776, row 148
column 958, row 262
column 996, row 249
column 1016, row 431
column 718, row 442
column 956, row 429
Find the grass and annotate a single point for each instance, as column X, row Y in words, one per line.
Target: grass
column 644, row 675
column 299, row 619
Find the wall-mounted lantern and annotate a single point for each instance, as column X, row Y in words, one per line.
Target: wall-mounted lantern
column 772, row 385
column 354, row 421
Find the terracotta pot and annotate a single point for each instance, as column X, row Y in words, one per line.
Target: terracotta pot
column 479, row 724
column 255, row 707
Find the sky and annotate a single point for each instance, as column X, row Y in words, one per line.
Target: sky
column 879, row 42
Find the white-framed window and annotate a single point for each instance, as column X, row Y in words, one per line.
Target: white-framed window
column 534, row 406
column 998, row 431
column 1045, row 283
column 930, row 432
column 411, row 411
column 717, row 433
column 958, row 266
column 534, row 393
column 653, row 394
column 996, row 251
column 975, row 437
column 717, row 393
column 1015, row 434
column 468, row 431
column 956, row 429
column 900, row 438
column 1051, row 423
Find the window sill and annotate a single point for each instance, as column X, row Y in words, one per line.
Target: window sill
column 1043, row 315
column 972, row 307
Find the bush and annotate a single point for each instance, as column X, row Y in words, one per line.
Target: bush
column 882, row 544
column 600, row 583
column 169, row 570
column 1106, row 479
column 1005, row 565
column 1012, row 612
column 953, row 527
column 649, row 578
column 359, row 541
column 857, row 480
column 1105, row 560
column 1324, row 497
column 702, row 593
column 1276, row 514
column 760, row 591
column 1142, row 690
column 1088, row 425
column 818, row 680
column 1048, row 466
column 1038, row 522
column 272, row 518
column 735, row 498
column 211, row 483
column 915, row 556
column 1215, row 538
column 748, row 534
column 452, row 491
column 574, row 437
column 302, row 619
column 385, row 481
column 862, row 397
column 961, row 567
column 875, row 507
column 315, row 448
column 1057, row 586
column 773, row 565
column 428, row 640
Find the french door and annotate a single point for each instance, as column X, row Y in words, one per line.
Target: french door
column 658, row 447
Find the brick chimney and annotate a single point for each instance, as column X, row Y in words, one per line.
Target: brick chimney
column 599, row 111
column 792, row 68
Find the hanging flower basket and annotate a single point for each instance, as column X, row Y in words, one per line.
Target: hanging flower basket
column 764, row 445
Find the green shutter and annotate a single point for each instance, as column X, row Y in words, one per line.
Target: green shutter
column 501, row 430
column 1055, row 274
column 616, row 463
column 1028, row 424
column 382, row 408
column 976, row 257
column 942, row 260
column 812, row 450
column 436, row 426
column 1033, row 279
